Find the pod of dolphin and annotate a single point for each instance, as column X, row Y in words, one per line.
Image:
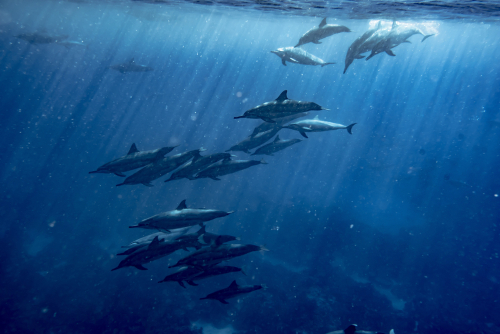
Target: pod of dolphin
column 173, row 226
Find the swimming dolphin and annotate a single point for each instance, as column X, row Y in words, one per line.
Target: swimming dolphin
column 203, row 238
column 264, row 126
column 322, row 31
column 36, row 38
column 183, row 274
column 213, row 271
column 356, row 49
column 154, row 251
column 133, row 160
column 174, row 234
column 315, row 125
column 130, row 66
column 70, row 44
column 225, row 167
column 254, row 141
column 160, row 167
column 281, row 107
column 298, row 56
column 191, row 168
column 216, row 253
column 276, row 146
column 232, row 291
column 352, row 329
column 398, row 35
column 180, row 217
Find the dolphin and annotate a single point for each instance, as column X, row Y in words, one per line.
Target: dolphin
column 225, row 167
column 70, row 44
column 232, row 291
column 194, row 167
column 354, row 51
column 315, row 125
column 133, row 160
column 183, row 274
column 162, row 236
column 264, row 126
column 322, row 31
column 281, row 107
column 203, row 238
column 154, row 251
column 180, row 217
column 215, row 254
column 160, row 167
column 36, row 38
column 130, row 66
column 254, row 141
column 398, row 35
column 213, row 271
column 298, row 56
column 353, row 329
column 276, row 146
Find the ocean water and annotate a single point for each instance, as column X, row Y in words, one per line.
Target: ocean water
column 393, row 227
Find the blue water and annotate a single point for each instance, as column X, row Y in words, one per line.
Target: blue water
column 394, row 226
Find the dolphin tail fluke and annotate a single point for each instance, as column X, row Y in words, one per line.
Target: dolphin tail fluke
column 349, row 127
column 426, row 36
column 322, row 65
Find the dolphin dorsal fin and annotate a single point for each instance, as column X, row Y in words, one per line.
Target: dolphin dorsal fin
column 202, row 230
column 316, row 117
column 350, row 330
column 323, row 23
column 154, row 244
column 182, row 205
column 132, row 60
column 277, row 138
column 394, row 24
column 133, row 149
column 234, row 285
column 282, row 96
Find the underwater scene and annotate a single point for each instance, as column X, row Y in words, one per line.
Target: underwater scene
column 219, row 167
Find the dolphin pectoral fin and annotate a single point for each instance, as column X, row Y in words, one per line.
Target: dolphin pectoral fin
column 390, row 53
column 215, row 178
column 268, row 120
column 316, row 42
column 303, row 134
column 222, row 301
column 140, row 267
column 407, row 41
column 283, row 62
column 192, row 283
column 148, row 184
column 120, row 174
column 426, row 36
column 349, row 128
column 359, row 57
column 181, row 284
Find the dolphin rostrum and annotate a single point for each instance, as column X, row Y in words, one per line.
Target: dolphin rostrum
column 160, row 167
column 133, row 160
column 322, row 31
column 276, row 146
column 299, row 56
column 315, row 125
column 130, row 66
column 225, row 167
column 280, row 107
column 180, row 217
column 232, row 291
